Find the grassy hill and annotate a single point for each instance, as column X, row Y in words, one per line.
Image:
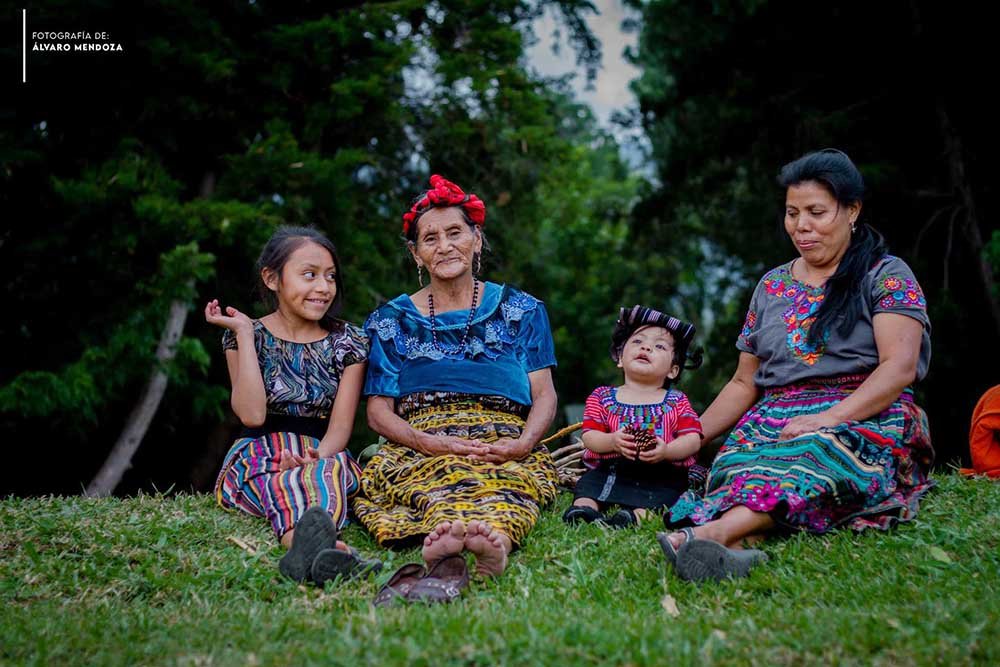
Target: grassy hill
column 173, row 580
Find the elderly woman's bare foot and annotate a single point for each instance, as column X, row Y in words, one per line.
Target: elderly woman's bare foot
column 447, row 539
column 490, row 547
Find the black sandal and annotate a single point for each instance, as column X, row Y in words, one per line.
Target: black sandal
column 330, row 564
column 579, row 514
column 314, row 532
column 623, row 518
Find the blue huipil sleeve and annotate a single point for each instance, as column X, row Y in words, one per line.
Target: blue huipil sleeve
column 384, row 361
column 536, row 334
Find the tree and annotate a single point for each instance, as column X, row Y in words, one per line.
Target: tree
column 179, row 157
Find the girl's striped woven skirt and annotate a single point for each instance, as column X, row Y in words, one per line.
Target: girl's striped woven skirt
column 251, row 481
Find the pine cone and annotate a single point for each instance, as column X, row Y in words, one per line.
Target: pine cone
column 644, row 439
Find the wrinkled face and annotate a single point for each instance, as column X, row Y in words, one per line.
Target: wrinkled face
column 819, row 225
column 308, row 282
column 446, row 244
column 648, row 354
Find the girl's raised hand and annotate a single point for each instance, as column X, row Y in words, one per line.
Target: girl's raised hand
column 232, row 319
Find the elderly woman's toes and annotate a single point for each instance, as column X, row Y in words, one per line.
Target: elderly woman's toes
column 490, row 547
column 447, row 539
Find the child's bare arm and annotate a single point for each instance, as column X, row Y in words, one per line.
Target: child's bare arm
column 345, row 404
column 249, row 400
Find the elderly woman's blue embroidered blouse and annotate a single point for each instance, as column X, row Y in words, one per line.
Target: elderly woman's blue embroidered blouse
column 509, row 338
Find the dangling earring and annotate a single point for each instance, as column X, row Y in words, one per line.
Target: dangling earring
column 420, row 274
column 479, row 264
column 853, row 228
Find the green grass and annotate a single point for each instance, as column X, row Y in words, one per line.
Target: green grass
column 154, row 580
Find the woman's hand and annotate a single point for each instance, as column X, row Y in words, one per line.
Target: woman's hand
column 233, row 319
column 287, row 459
column 505, row 449
column 444, row 445
column 797, row 426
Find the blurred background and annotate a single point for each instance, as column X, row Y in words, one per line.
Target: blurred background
column 626, row 151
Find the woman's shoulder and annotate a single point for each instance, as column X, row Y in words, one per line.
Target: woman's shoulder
column 515, row 303
column 780, row 272
column 392, row 311
column 890, row 264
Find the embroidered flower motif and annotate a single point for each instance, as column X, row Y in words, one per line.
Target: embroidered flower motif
column 798, row 317
column 492, row 336
column 893, row 284
column 748, row 325
column 902, row 293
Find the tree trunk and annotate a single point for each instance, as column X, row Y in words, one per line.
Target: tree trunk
column 120, row 458
column 972, row 236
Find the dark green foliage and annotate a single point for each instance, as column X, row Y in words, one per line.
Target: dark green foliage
column 732, row 90
column 220, row 123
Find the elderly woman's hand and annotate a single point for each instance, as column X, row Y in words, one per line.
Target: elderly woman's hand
column 802, row 424
column 505, row 449
column 443, row 445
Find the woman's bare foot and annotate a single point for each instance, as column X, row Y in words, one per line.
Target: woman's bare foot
column 716, row 533
column 704, row 532
column 447, row 539
column 490, row 547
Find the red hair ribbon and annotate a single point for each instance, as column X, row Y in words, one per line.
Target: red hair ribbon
column 445, row 193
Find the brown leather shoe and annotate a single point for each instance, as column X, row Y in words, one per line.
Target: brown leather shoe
column 399, row 584
column 444, row 582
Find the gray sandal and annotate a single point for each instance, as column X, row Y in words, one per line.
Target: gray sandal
column 668, row 549
column 704, row 560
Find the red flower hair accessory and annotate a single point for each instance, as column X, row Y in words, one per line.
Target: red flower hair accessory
column 445, row 193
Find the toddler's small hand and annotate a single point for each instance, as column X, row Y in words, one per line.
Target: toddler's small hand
column 624, row 444
column 654, row 454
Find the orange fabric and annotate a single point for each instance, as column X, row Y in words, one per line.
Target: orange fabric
column 984, row 436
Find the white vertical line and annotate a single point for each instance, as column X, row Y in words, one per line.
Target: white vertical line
column 24, row 46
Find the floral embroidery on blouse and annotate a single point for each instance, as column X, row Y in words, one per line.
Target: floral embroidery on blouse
column 901, row 293
column 748, row 326
column 497, row 334
column 804, row 302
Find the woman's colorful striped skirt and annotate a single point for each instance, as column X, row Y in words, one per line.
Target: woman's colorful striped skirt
column 405, row 494
column 861, row 474
column 251, row 481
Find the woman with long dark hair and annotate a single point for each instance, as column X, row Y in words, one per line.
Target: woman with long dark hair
column 826, row 431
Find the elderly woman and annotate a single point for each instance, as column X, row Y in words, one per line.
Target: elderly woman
column 827, row 433
column 459, row 383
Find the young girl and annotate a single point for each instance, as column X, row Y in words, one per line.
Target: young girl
column 296, row 376
column 651, row 349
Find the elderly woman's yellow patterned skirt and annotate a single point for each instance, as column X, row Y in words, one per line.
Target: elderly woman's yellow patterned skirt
column 405, row 494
